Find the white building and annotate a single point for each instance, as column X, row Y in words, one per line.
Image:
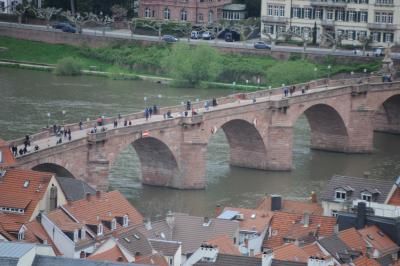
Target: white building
column 351, row 19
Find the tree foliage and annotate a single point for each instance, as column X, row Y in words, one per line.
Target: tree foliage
column 67, row 66
column 192, row 65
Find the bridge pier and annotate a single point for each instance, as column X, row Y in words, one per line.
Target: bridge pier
column 98, row 165
column 280, row 148
column 192, row 166
column 360, row 131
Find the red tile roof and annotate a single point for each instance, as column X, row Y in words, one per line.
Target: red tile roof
column 225, row 245
column 253, row 220
column 7, row 156
column 35, row 233
column 365, row 261
column 353, row 240
column 113, row 254
column 378, row 240
column 289, row 226
column 110, row 204
column 290, row 252
column 395, row 198
column 292, row 206
column 313, row 250
column 154, row 259
column 13, row 194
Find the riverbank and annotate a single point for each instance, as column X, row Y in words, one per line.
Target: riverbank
column 130, row 61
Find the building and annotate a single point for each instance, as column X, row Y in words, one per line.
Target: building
column 78, row 227
column 234, row 12
column 24, row 194
column 351, row 20
column 253, row 226
column 75, row 189
column 194, row 11
column 340, row 192
column 277, row 203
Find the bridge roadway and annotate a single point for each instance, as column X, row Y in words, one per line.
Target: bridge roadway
column 342, row 114
column 51, row 141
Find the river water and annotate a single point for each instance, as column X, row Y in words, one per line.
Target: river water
column 27, row 96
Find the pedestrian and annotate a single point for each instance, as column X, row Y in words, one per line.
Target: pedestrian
column 188, row 105
column 130, row 123
column 186, row 113
column 80, row 125
column 54, row 128
column 25, row 150
column 303, row 90
column 254, row 100
column 150, row 111
column 21, row 151
column 155, row 109
column 214, row 102
column 115, row 123
column 36, row 147
column 119, row 116
column 169, row 114
column 125, row 123
column 146, row 113
column 206, row 105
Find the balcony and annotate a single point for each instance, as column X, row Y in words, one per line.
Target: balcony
column 328, row 3
column 274, row 19
column 381, row 26
column 388, row 4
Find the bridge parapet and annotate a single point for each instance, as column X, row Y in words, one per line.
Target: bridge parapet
column 97, row 137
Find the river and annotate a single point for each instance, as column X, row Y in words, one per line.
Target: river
column 27, row 96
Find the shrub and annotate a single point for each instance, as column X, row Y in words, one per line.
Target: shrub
column 68, row 66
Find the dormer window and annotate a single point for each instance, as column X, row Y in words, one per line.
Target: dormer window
column 113, row 224
column 340, row 195
column 366, row 196
column 100, row 230
column 21, row 233
column 126, row 221
column 82, row 233
column 76, row 235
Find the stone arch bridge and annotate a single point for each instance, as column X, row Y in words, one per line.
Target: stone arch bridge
column 342, row 116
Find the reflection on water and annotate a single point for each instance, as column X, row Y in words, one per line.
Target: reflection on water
column 25, row 102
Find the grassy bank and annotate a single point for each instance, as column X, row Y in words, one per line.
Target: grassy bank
column 136, row 59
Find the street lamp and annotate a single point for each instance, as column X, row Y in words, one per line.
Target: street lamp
column 365, row 71
column 159, row 96
column 329, row 71
column 145, row 100
column 64, row 113
column 352, row 73
column 48, row 120
column 315, row 73
column 247, row 84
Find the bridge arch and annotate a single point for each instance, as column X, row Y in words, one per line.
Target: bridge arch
column 387, row 115
column 158, row 163
column 56, row 169
column 327, row 126
column 246, row 144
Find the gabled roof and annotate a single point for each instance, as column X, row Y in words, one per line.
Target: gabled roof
column 290, row 252
column 74, row 189
column 292, row 206
column 14, row 249
column 355, row 185
column 290, row 226
column 353, row 240
column 395, row 197
column 313, row 250
column 113, row 254
column 379, row 240
column 21, row 189
column 7, row 158
column 154, row 259
column 253, row 220
column 135, row 242
column 35, row 233
column 229, row 260
column 225, row 245
column 61, row 261
column 338, row 249
column 164, row 247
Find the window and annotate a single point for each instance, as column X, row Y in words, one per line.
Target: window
column 200, row 17
column 363, row 16
column 388, row 37
column 269, row 29
column 308, row 13
column 26, row 183
column 147, row 12
column 184, row 15
column 276, row 11
column 329, row 15
column 126, row 221
column 210, row 16
column 76, row 235
column 340, row 15
column 318, row 13
column 100, row 230
column 340, row 194
column 296, row 12
column 269, row 10
column 376, row 36
column 352, row 16
column 167, row 13
column 113, row 224
column 281, row 11
column 366, row 196
column 334, row 213
column 2, row 6
column 383, row 17
column 21, row 233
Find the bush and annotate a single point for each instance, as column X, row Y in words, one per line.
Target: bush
column 68, row 66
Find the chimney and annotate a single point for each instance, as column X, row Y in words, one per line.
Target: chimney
column 170, row 219
column 266, row 259
column 306, row 219
column 276, row 202
column 98, row 193
column 218, row 210
column 361, row 215
column 313, row 197
column 147, row 224
column 88, row 196
column 206, row 221
column 82, row 255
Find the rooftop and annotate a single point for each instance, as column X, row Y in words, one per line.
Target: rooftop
column 14, row 249
column 365, row 261
column 225, row 245
column 379, row 240
column 60, row 261
column 113, row 254
column 75, row 189
column 250, row 219
column 164, row 247
column 293, row 206
column 290, row 252
column 353, row 239
column 338, row 249
column 354, row 186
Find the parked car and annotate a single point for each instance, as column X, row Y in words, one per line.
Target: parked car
column 229, row 37
column 207, row 35
column 378, row 51
column 261, row 45
column 61, row 25
column 195, row 35
column 69, row 28
column 169, row 38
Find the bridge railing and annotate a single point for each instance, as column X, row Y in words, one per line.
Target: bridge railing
column 97, row 137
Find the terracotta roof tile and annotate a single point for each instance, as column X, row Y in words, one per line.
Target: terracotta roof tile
column 155, row 259
column 378, row 240
column 353, row 240
column 290, row 252
column 112, row 254
column 292, row 206
column 7, row 156
column 365, row 261
column 259, row 223
column 313, row 250
column 395, row 198
column 225, row 245
column 287, row 225
column 14, row 194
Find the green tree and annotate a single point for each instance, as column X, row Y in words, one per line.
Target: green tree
column 193, row 65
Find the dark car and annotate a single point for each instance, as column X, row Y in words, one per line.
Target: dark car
column 61, row 25
column 262, row 45
column 169, row 38
column 69, row 28
column 229, row 37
